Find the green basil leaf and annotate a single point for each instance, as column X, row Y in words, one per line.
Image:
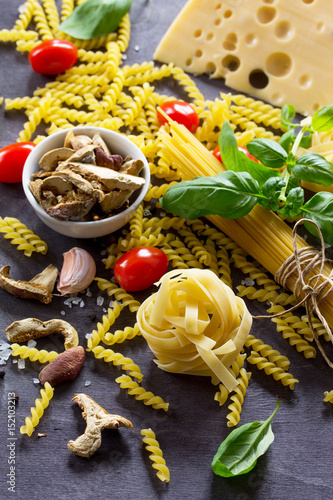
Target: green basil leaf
column 227, row 194
column 268, row 152
column 239, row 452
column 293, row 203
column 95, row 18
column 305, row 141
column 287, row 140
column 322, row 120
column 235, row 160
column 271, row 190
column 288, row 114
column 312, row 167
column 320, row 209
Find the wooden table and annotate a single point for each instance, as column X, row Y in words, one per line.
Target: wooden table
column 297, row 466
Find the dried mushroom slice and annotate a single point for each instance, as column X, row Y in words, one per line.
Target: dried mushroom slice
column 106, row 176
column 56, row 184
column 99, row 142
column 72, row 210
column 131, row 167
column 49, row 161
column 79, row 141
column 115, row 199
column 77, row 180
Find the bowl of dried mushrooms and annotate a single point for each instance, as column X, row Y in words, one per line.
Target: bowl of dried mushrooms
column 85, row 182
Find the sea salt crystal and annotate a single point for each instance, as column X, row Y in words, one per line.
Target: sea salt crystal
column 137, row 48
column 111, row 303
column 100, row 300
column 62, row 313
column 124, row 57
column 4, row 346
column 82, row 303
column 87, row 382
column 89, row 335
column 88, row 292
column 21, row 364
column 14, row 361
column 248, row 281
column 36, row 381
column 32, row 343
column 21, row 8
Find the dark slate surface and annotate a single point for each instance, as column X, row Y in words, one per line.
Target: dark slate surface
column 299, row 463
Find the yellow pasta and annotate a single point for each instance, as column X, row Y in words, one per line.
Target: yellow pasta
column 328, row 396
column 120, row 336
column 237, row 398
column 156, row 455
column 119, row 294
column 141, row 394
column 272, row 369
column 267, row 351
column 38, row 410
column 102, row 328
column 20, row 235
column 118, row 359
column 195, row 324
column 33, row 354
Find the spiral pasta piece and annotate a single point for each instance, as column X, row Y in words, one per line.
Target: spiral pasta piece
column 104, row 326
column 328, row 396
column 118, row 359
column 237, row 398
column 272, row 369
column 33, row 354
column 38, row 410
column 141, row 394
column 20, row 235
column 156, row 455
column 119, row 294
column 267, row 351
column 120, row 336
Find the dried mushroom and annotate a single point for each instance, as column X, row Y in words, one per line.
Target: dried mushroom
column 97, row 420
column 32, row 328
column 84, row 181
column 40, row 287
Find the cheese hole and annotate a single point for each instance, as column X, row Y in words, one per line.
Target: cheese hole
column 269, row 1
column 320, row 27
column 316, row 107
column 218, row 21
column 198, row 53
column 305, row 81
column 258, row 79
column 188, row 62
column 277, row 99
column 209, row 37
column 210, row 68
column 231, row 62
column 250, row 39
column 197, row 33
column 308, row 1
column 230, row 42
column 266, row 14
column 227, row 14
column 279, row 64
column 218, row 6
column 283, row 30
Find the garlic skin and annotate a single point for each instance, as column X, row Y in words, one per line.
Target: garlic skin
column 78, row 271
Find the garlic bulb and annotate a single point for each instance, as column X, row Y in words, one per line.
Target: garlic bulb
column 78, row 271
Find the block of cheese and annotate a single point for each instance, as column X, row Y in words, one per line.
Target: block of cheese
column 280, row 51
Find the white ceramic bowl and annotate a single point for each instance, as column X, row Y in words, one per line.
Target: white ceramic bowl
column 118, row 144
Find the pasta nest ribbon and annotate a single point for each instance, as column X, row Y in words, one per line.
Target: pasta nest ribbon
column 195, row 324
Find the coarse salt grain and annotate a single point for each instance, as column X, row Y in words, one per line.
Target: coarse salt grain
column 88, row 292
column 89, row 335
column 100, row 300
column 249, row 281
column 36, row 380
column 21, row 364
column 32, row 343
column 62, row 313
column 87, row 382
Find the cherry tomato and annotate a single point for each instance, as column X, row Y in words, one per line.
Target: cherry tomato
column 180, row 112
column 12, row 160
column 140, row 268
column 217, row 153
column 52, row 57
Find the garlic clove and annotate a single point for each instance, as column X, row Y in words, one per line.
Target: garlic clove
column 78, row 271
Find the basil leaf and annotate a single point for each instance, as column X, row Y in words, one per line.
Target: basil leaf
column 235, row 160
column 305, row 141
column 312, row 167
column 288, row 114
column 293, row 204
column 320, row 209
column 271, row 190
column 269, row 152
column 95, row 18
column 239, row 452
column 286, row 140
column 322, row 120
column 227, row 194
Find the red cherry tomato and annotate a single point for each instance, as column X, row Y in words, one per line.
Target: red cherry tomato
column 217, row 153
column 140, row 268
column 52, row 57
column 180, row 112
column 12, row 160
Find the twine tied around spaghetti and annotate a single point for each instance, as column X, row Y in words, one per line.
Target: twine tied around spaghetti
column 315, row 289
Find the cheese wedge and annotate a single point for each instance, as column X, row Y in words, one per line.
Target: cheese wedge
column 280, row 51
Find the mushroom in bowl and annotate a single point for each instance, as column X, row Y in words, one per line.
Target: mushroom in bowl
column 86, row 182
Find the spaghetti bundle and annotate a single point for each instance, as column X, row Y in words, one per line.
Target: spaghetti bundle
column 195, row 324
column 263, row 234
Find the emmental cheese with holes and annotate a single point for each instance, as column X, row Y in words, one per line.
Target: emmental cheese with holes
column 280, row 51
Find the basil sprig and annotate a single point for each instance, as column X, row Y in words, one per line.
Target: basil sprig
column 95, row 18
column 239, row 452
column 275, row 183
